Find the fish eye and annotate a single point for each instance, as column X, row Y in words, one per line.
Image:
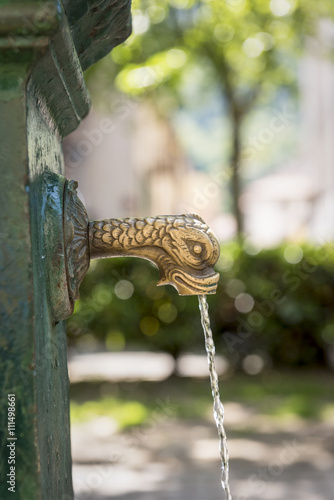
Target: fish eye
column 197, row 249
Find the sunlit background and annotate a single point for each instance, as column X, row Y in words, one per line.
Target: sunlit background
column 223, row 108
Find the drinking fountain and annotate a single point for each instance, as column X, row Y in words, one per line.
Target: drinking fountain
column 47, row 240
column 182, row 247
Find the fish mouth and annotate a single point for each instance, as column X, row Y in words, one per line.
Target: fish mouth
column 187, row 284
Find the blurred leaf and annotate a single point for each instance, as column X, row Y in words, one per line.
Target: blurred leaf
column 291, row 319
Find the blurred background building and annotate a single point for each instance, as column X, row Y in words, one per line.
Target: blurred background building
column 139, row 168
column 133, row 162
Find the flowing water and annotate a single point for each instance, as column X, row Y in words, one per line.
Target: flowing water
column 218, row 408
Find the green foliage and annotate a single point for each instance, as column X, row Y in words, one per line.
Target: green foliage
column 292, row 319
column 247, row 44
column 125, row 413
column 122, row 306
column 244, row 52
column 287, row 315
column 244, row 48
column 276, row 395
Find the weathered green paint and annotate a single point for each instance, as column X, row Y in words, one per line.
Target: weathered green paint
column 52, row 422
column 54, row 259
column 28, row 19
column 33, row 354
column 58, row 83
column 16, row 287
column 43, row 97
column 97, row 31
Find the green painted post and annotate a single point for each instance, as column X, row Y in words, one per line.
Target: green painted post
column 43, row 47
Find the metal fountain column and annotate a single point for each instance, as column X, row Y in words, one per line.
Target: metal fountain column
column 44, row 47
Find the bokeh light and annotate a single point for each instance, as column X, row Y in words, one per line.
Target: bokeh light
column 244, row 303
column 293, row 254
column 124, row 289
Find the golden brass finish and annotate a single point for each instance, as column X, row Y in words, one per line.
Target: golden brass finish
column 183, row 248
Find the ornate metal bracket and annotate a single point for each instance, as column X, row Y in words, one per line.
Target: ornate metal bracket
column 183, row 247
column 76, row 239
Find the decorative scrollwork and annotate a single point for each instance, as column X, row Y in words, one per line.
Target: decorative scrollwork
column 97, row 26
column 76, row 239
column 183, row 248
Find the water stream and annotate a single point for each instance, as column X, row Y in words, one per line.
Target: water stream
column 218, row 408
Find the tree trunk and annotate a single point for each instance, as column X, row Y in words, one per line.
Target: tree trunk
column 235, row 164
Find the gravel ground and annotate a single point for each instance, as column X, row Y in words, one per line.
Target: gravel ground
column 177, row 459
